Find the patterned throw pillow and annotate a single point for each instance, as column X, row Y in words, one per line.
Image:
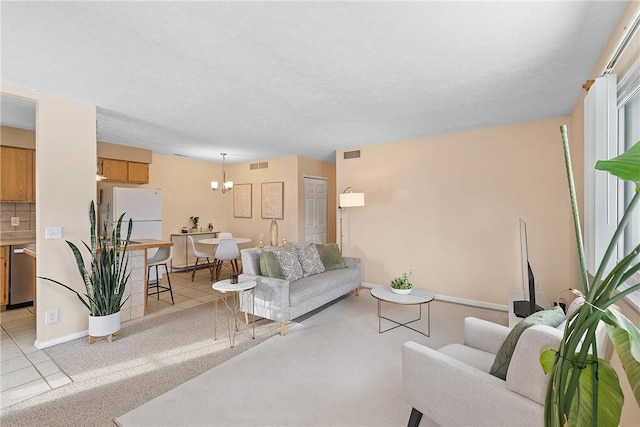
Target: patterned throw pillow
column 269, row 265
column 551, row 318
column 289, row 264
column 309, row 259
column 330, row 256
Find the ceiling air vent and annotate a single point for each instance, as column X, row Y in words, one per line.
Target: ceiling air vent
column 355, row 154
column 261, row 165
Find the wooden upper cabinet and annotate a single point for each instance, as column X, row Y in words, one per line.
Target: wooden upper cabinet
column 138, row 172
column 124, row 171
column 17, row 174
column 115, row 170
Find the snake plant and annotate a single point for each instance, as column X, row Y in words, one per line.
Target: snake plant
column 106, row 276
column 583, row 389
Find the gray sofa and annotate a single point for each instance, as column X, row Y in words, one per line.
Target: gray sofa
column 281, row 300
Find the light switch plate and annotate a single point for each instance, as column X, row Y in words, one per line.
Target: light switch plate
column 15, row 221
column 53, row 233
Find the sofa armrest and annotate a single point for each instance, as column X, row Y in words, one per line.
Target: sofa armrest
column 272, row 297
column 484, row 335
column 525, row 374
column 351, row 262
column 450, row 392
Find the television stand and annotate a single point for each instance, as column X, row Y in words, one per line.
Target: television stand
column 518, row 295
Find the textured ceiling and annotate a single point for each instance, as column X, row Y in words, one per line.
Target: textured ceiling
column 268, row 79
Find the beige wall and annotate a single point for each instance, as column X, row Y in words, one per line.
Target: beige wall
column 65, row 185
column 17, row 137
column 448, row 208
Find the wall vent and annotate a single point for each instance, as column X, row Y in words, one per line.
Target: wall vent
column 355, row 154
column 260, row 165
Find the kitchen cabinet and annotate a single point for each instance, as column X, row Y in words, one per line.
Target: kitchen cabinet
column 17, row 174
column 124, row 171
column 4, row 276
column 138, row 172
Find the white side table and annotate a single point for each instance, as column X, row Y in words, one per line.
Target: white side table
column 225, row 287
column 416, row 297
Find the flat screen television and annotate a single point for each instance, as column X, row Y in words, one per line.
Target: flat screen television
column 527, row 306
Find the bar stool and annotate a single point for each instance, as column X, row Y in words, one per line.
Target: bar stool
column 161, row 257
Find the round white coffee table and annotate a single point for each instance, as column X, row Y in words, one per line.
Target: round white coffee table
column 236, row 289
column 417, row 297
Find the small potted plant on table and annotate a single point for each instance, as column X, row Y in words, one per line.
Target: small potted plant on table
column 401, row 285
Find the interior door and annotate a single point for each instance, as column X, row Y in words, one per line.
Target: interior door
column 315, row 210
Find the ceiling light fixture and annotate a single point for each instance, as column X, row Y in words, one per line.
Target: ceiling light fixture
column 226, row 185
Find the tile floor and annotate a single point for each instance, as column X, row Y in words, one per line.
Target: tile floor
column 26, row 372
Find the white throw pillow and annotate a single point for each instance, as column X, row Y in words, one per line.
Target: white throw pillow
column 289, row 264
column 309, row 259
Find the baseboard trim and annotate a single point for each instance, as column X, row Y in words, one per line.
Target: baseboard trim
column 458, row 300
column 44, row 344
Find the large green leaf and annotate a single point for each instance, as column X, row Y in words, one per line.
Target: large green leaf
column 626, row 166
column 547, row 359
column 621, row 339
column 610, row 397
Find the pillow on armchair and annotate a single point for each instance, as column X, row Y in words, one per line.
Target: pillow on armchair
column 552, row 317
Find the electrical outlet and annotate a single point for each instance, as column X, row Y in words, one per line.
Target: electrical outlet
column 15, row 221
column 53, row 233
column 51, row 316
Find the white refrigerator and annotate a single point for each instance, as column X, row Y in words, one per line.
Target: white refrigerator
column 143, row 206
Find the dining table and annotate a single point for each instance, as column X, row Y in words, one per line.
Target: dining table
column 216, row 240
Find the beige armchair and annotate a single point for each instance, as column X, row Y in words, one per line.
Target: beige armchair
column 452, row 386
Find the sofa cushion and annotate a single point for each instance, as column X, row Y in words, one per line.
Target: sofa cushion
column 330, row 256
column 289, row 264
column 309, row 259
column 319, row 284
column 552, row 318
column 269, row 265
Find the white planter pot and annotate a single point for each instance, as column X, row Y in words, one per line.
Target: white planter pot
column 401, row 291
column 102, row 326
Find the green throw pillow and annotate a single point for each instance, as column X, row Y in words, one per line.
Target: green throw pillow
column 269, row 265
column 330, row 256
column 551, row 318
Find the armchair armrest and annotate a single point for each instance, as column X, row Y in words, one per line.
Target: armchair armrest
column 525, row 375
column 484, row 335
column 272, row 297
column 450, row 392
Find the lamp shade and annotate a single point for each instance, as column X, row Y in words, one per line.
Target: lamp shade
column 351, row 200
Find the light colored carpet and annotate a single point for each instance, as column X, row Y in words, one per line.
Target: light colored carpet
column 331, row 369
column 153, row 355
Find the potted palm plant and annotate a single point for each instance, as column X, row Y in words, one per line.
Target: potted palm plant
column 105, row 278
column 584, row 389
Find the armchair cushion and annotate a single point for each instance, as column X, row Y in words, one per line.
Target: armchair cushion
column 551, row 318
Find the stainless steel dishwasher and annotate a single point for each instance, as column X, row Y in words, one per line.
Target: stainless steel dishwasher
column 22, row 277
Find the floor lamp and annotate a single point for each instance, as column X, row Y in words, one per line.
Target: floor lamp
column 348, row 199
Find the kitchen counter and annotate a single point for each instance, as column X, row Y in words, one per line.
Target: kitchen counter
column 134, row 245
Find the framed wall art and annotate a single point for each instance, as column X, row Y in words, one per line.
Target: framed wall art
column 273, row 200
column 242, row 201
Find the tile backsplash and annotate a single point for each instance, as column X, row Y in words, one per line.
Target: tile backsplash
column 26, row 212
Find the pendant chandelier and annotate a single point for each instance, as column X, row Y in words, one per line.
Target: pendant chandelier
column 226, row 185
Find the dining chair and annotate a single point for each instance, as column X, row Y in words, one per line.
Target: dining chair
column 227, row 250
column 225, row 235
column 161, row 257
column 199, row 255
